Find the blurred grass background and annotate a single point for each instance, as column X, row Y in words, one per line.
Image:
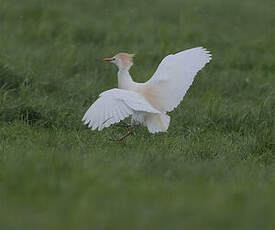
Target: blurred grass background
column 214, row 169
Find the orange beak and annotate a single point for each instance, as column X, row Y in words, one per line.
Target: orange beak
column 108, row 59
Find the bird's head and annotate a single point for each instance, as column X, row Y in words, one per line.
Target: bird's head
column 123, row 61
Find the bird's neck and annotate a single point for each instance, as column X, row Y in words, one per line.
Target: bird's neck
column 125, row 80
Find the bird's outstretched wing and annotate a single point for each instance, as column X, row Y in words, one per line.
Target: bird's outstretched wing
column 113, row 106
column 175, row 75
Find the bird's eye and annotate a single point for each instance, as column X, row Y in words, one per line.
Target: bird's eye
column 114, row 59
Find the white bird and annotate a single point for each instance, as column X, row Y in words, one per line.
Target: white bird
column 149, row 102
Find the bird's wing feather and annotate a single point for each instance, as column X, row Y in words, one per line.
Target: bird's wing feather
column 113, row 106
column 175, row 75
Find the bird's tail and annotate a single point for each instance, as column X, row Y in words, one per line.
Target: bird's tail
column 157, row 123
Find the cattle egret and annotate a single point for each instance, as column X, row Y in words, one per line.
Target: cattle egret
column 149, row 102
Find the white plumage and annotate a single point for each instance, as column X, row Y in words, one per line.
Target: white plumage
column 115, row 105
column 147, row 102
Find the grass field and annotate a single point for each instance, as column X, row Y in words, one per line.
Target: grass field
column 214, row 169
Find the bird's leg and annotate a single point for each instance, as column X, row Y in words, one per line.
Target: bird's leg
column 130, row 130
column 123, row 124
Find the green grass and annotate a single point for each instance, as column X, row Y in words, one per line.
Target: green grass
column 214, row 169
